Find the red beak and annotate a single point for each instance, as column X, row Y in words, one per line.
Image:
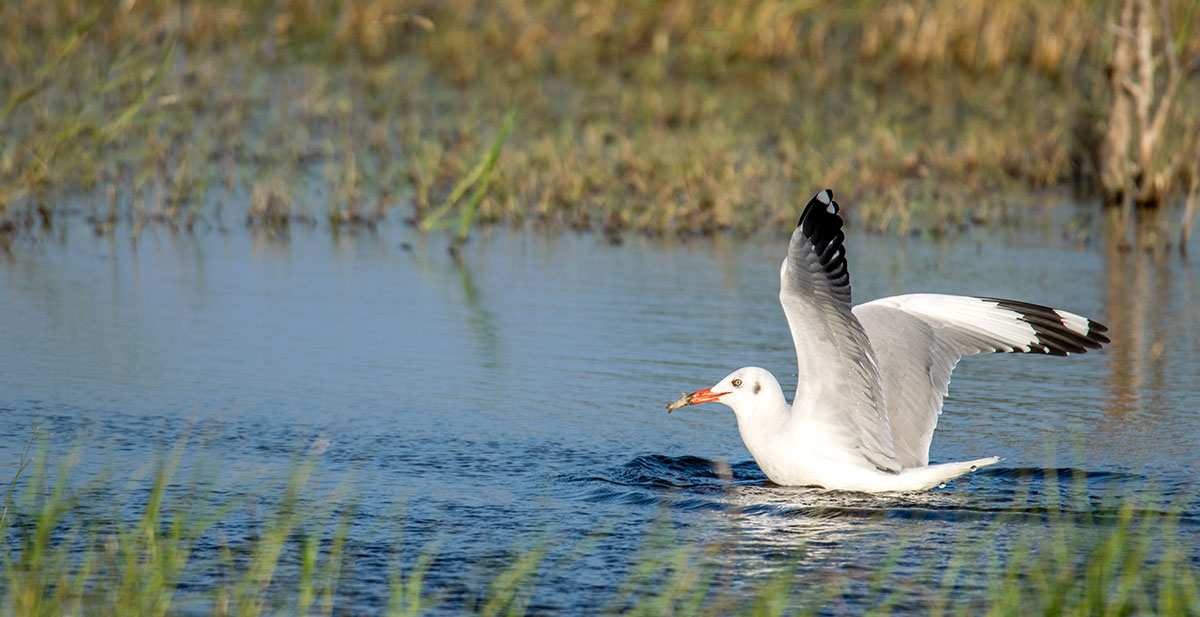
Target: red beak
column 703, row 396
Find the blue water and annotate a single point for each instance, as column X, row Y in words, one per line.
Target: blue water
column 480, row 404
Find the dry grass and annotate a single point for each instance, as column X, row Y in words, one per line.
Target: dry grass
column 689, row 116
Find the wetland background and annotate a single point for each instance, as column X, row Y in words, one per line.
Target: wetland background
column 267, row 375
column 675, row 117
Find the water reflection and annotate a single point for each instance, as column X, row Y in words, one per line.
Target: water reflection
column 481, row 320
column 1150, row 306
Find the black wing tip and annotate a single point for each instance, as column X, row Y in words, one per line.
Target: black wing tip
column 822, row 207
column 821, row 225
column 1054, row 336
column 1096, row 334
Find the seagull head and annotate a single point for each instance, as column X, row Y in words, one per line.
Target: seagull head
column 742, row 391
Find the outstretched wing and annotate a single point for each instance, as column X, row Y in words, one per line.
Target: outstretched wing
column 838, row 380
column 919, row 338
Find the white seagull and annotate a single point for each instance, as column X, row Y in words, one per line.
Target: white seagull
column 872, row 377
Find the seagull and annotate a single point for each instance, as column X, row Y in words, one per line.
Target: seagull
column 872, row 377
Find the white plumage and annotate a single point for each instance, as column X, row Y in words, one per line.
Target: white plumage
column 872, row 378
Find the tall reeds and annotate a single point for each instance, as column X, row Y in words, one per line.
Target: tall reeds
column 688, row 116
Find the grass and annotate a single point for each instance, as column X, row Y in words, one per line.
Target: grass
column 690, row 116
column 479, row 176
column 22, row 465
column 90, row 550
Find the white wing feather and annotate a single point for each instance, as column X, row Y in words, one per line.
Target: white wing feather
column 918, row 339
column 838, row 380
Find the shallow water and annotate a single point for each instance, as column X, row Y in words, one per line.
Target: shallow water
column 483, row 403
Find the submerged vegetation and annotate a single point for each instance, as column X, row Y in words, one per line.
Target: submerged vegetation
column 166, row 546
column 665, row 117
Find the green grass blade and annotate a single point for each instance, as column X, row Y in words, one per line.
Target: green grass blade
column 481, row 170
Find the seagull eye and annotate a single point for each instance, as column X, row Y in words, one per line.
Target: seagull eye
column 737, row 383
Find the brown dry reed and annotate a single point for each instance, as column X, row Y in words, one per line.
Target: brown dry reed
column 678, row 117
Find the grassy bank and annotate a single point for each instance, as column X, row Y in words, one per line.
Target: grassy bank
column 664, row 117
column 162, row 545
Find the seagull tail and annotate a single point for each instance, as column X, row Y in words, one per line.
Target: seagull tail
column 922, row 478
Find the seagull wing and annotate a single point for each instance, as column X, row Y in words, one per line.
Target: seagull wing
column 838, row 381
column 919, row 338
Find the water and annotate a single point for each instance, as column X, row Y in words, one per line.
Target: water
column 484, row 403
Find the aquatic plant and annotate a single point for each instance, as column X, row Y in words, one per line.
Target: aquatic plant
column 479, row 177
column 165, row 547
column 22, row 465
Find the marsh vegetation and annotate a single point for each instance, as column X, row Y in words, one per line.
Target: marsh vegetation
column 681, row 117
column 163, row 545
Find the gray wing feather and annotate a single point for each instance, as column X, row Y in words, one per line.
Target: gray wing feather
column 838, row 380
column 919, row 338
